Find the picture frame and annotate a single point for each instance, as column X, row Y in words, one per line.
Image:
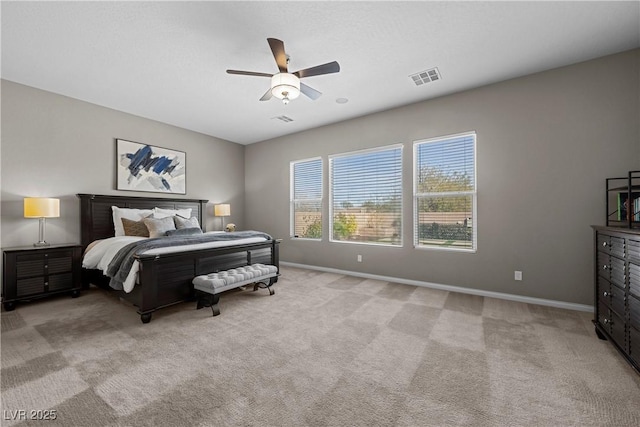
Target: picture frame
column 148, row 168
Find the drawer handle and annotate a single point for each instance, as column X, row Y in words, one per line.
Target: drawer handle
column 607, row 294
column 604, row 244
column 607, row 322
column 604, row 267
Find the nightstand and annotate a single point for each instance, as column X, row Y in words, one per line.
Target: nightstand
column 34, row 272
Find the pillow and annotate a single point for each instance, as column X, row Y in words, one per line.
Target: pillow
column 163, row 213
column 190, row 231
column 133, row 214
column 158, row 226
column 134, row 228
column 91, row 245
column 186, row 222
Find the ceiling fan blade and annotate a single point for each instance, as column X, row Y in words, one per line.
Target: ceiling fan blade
column 277, row 47
column 328, row 68
column 249, row 73
column 309, row 91
column 267, row 96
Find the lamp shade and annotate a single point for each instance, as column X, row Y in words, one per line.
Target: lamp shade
column 285, row 85
column 222, row 210
column 41, row 207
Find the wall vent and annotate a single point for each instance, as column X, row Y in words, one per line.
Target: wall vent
column 283, row 118
column 425, row 76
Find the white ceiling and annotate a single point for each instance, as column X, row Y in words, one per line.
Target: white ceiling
column 166, row 60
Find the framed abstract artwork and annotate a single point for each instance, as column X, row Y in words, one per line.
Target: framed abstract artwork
column 143, row 167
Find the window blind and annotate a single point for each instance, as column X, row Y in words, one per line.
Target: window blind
column 445, row 192
column 366, row 196
column 306, row 199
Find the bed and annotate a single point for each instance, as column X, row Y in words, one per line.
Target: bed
column 164, row 279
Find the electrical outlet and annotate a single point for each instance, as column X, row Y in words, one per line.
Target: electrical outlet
column 517, row 275
column 359, row 258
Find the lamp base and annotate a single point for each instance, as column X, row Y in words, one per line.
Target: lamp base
column 41, row 242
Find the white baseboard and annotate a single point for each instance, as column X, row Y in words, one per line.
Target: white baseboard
column 499, row 295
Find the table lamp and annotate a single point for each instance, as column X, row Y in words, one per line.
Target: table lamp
column 222, row 211
column 41, row 208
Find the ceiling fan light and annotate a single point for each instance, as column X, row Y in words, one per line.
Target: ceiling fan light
column 285, row 85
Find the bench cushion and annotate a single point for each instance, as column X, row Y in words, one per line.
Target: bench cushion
column 221, row 281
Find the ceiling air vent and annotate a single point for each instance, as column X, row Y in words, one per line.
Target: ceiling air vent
column 425, row 76
column 283, row 118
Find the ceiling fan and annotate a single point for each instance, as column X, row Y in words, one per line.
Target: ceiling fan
column 285, row 85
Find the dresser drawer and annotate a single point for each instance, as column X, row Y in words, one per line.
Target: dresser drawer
column 634, row 312
column 611, row 244
column 634, row 345
column 611, row 323
column 633, row 249
column 618, row 330
column 603, row 261
column 612, row 296
column 604, row 288
column 617, row 301
column 634, row 279
column 618, row 247
column 612, row 269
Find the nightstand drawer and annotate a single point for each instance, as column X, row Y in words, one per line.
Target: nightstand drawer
column 58, row 282
column 38, row 285
column 29, row 265
column 31, row 286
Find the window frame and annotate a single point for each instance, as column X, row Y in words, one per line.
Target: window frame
column 292, row 200
column 331, row 157
column 473, row 193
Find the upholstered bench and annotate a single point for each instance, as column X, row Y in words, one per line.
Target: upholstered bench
column 209, row 286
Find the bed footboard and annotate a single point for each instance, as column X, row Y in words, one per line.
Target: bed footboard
column 165, row 280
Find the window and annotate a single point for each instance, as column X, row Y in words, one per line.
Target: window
column 444, row 187
column 366, row 196
column 306, row 199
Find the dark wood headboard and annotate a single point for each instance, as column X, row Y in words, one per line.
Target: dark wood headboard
column 96, row 219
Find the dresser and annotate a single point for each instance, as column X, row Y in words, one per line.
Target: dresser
column 617, row 289
column 35, row 272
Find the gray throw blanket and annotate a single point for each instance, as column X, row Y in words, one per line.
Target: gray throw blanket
column 121, row 263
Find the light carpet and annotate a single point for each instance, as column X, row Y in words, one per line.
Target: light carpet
column 325, row 350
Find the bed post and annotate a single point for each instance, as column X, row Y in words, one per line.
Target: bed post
column 275, row 253
column 203, row 212
column 148, row 293
column 86, row 220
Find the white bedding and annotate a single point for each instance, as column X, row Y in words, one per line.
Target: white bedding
column 100, row 255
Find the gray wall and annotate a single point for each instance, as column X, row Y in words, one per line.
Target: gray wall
column 546, row 143
column 55, row 146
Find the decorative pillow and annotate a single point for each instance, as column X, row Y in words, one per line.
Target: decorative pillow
column 158, row 227
column 190, row 231
column 135, row 228
column 133, row 214
column 163, row 213
column 186, row 222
